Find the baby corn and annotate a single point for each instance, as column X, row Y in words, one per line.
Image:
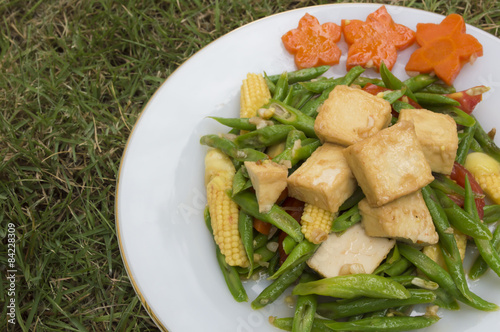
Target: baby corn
column 486, row 171
column 316, row 223
column 254, row 95
column 219, row 173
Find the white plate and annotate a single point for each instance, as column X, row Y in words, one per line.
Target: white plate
column 166, row 248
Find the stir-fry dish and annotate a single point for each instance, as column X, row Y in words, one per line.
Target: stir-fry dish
column 359, row 194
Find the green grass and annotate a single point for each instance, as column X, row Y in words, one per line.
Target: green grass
column 74, row 76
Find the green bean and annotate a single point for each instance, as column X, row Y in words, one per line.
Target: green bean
column 321, row 86
column 230, row 273
column 240, row 180
column 305, row 309
column 229, row 148
column 419, row 82
column 462, row 220
column 480, row 266
column 281, row 89
column 456, row 113
column 336, row 310
column 447, row 239
column 363, row 81
column 294, row 135
column 385, row 324
column 287, row 324
column 236, row 123
column 399, row 105
column 440, row 88
column 392, row 257
column 354, row 199
column 310, row 108
column 450, row 253
column 276, row 216
column 301, row 75
column 274, row 290
column 486, row 248
column 445, row 300
column 446, row 185
column 465, row 143
column 301, row 153
column 245, row 227
column 491, row 214
column 298, row 96
column 475, row 146
column 273, row 264
column 392, row 96
column 354, row 285
column 438, row 274
column 398, row 267
column 270, row 84
column 300, row 253
column 291, row 116
column 263, row 255
column 410, row 280
column 394, row 83
column 263, row 137
column 259, row 240
column 352, row 75
column 486, row 143
column 346, row 219
column 288, row 244
column 434, row 99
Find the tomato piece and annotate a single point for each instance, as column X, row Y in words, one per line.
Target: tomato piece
column 469, row 98
column 458, row 175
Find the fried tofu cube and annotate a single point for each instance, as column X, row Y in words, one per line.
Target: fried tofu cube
column 390, row 164
column 324, row 180
column 406, row 219
column 437, row 134
column 350, row 252
column 350, row 115
column 269, row 180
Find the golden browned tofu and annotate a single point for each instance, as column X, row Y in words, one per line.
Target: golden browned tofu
column 406, row 219
column 269, row 180
column 437, row 134
column 390, row 164
column 324, row 180
column 350, row 115
column 350, row 252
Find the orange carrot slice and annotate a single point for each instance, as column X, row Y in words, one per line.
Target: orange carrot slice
column 444, row 48
column 313, row 44
column 375, row 40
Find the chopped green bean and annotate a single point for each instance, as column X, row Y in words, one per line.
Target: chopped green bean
column 385, row 324
column 236, row 123
column 263, row 137
column 229, row 148
column 275, row 289
column 291, row 116
column 301, row 75
column 276, row 216
column 245, row 227
column 354, row 285
column 336, row 310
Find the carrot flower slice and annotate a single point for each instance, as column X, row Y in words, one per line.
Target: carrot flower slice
column 444, row 48
column 313, row 44
column 375, row 40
